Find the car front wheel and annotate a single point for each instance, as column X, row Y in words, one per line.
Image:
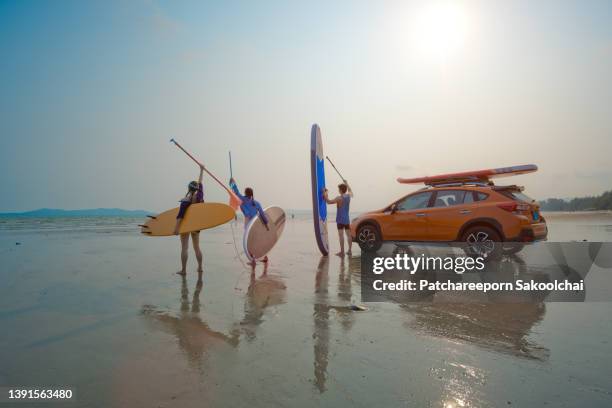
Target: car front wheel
column 368, row 238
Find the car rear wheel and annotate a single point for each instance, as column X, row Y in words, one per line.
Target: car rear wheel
column 482, row 241
column 368, row 238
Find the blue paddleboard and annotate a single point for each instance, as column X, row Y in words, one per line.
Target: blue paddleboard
column 319, row 206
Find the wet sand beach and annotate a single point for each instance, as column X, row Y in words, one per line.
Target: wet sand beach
column 92, row 305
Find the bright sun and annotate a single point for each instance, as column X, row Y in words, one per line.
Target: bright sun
column 440, row 31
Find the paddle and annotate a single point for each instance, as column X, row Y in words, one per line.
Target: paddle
column 234, row 200
column 330, row 162
column 231, row 177
column 230, row 158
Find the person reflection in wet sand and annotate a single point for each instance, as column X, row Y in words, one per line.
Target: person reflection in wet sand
column 263, row 292
column 322, row 308
column 194, row 336
column 345, row 295
column 345, row 292
column 321, row 324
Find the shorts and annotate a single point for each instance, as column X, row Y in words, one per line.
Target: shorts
column 343, row 226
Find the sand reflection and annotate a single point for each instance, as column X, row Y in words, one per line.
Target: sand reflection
column 500, row 322
column 264, row 291
column 193, row 335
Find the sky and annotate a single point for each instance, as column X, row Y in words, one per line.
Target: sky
column 93, row 91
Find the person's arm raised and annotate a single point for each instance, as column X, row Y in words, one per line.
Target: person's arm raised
column 235, row 189
column 350, row 190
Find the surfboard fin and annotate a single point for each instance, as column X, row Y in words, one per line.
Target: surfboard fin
column 152, row 217
column 143, row 226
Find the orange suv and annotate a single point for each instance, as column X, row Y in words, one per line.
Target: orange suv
column 477, row 214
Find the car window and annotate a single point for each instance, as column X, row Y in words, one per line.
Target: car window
column 469, row 197
column 414, row 202
column 447, row 198
column 481, row 196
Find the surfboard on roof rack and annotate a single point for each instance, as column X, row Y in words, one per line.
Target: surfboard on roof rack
column 476, row 176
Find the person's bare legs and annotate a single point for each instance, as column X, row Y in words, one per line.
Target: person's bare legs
column 349, row 240
column 184, row 254
column 341, row 238
column 195, row 240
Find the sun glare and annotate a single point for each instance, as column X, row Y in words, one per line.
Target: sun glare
column 440, row 31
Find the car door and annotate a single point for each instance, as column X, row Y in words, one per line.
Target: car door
column 409, row 218
column 449, row 212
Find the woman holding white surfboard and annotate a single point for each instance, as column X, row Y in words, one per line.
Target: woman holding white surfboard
column 250, row 208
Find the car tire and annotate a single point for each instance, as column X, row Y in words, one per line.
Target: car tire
column 482, row 241
column 369, row 238
column 511, row 249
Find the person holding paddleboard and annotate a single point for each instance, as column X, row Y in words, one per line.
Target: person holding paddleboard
column 343, row 202
column 195, row 194
column 249, row 207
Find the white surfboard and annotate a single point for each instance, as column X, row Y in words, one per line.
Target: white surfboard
column 258, row 241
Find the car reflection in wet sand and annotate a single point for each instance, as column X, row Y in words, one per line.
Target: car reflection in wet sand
column 498, row 321
column 500, row 327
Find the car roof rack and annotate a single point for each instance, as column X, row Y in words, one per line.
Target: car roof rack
column 473, row 183
column 460, row 182
column 510, row 187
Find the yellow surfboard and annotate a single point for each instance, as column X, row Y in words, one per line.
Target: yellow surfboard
column 198, row 217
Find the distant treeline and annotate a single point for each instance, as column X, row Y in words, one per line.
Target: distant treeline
column 597, row 203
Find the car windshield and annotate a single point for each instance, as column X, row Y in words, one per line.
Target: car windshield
column 414, row 202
